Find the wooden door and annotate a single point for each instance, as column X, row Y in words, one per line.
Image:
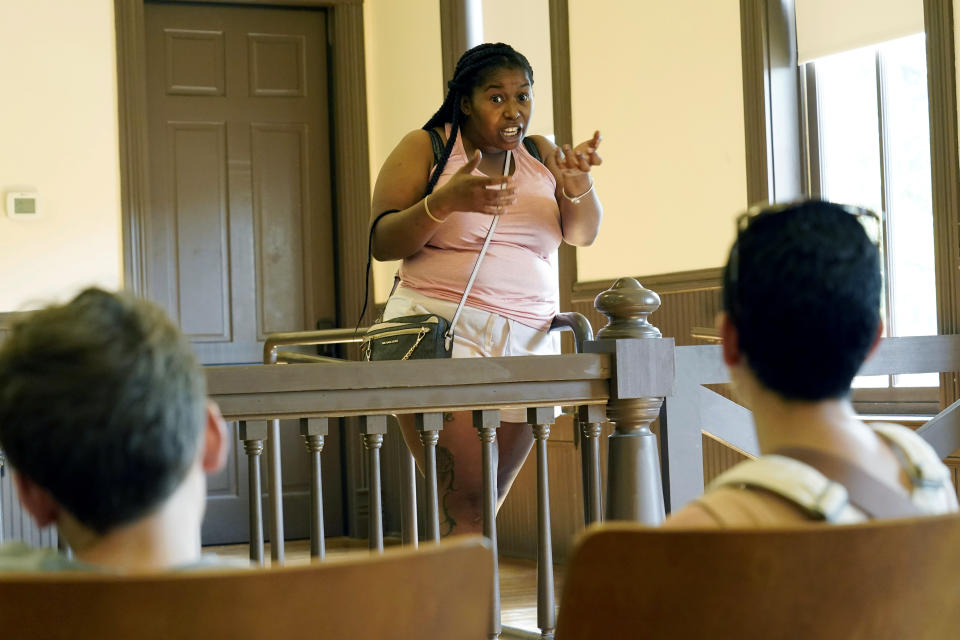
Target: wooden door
column 239, row 239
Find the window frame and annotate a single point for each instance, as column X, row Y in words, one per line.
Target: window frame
column 889, row 399
column 772, row 120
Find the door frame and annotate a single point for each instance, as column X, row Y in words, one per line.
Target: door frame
column 350, row 167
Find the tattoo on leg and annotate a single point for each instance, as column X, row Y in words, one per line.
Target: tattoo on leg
column 445, row 482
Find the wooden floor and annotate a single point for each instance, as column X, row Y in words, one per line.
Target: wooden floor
column 518, row 578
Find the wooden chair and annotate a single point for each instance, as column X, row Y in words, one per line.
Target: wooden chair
column 888, row 579
column 442, row 591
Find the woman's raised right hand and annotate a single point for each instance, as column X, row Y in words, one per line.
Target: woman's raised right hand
column 467, row 192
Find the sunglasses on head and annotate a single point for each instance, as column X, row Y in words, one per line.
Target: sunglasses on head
column 867, row 218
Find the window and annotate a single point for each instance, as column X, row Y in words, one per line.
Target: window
column 868, row 143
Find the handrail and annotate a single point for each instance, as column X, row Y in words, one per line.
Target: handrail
column 576, row 323
column 307, row 338
column 295, row 357
column 258, row 392
column 693, row 408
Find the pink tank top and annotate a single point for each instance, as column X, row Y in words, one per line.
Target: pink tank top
column 518, row 275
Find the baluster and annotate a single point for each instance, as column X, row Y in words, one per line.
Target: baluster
column 591, row 416
column 634, row 484
column 486, row 422
column 373, row 428
column 408, row 494
column 275, row 488
column 314, row 432
column 253, row 433
column 540, row 420
column 429, row 425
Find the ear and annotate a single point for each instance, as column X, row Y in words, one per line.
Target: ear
column 876, row 341
column 214, row 440
column 465, row 105
column 730, row 339
column 36, row 500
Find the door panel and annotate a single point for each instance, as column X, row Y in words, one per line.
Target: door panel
column 239, row 239
column 280, row 197
column 199, row 208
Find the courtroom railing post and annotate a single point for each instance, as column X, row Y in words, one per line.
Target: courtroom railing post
column 540, row 419
column 642, row 374
column 429, row 425
column 590, row 419
column 486, row 422
column 252, row 433
column 372, row 429
column 314, row 432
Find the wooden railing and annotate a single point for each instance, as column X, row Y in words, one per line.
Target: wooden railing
column 693, row 409
column 627, row 371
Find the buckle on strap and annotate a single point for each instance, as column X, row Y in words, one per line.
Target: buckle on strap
column 830, row 503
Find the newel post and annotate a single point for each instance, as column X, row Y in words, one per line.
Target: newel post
column 642, row 375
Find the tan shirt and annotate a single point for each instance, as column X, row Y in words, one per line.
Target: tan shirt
column 777, row 491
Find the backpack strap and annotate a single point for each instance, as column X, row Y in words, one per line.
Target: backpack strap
column 872, row 496
column 532, row 149
column 437, row 143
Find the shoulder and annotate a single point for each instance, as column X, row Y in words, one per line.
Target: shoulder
column 19, row 557
column 214, row 562
column 750, row 507
column 921, row 460
column 692, row 516
column 544, row 145
column 404, row 173
column 417, row 141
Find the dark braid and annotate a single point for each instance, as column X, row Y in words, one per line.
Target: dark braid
column 472, row 67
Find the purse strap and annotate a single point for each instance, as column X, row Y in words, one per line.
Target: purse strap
column 870, row 495
column 448, row 337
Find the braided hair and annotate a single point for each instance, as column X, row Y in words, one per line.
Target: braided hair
column 472, row 68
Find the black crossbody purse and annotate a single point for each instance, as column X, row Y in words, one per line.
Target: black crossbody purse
column 422, row 336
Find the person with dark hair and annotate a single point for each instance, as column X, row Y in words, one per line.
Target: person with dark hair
column 105, row 421
column 802, row 297
column 435, row 198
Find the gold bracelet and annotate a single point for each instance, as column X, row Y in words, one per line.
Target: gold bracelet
column 430, row 215
column 574, row 199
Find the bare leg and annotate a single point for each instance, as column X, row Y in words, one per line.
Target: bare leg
column 459, row 475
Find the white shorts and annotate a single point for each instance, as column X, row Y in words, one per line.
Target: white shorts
column 478, row 334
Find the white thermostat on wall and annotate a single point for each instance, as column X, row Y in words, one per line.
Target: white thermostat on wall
column 23, row 205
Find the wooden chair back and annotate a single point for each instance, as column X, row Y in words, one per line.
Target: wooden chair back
column 884, row 579
column 440, row 591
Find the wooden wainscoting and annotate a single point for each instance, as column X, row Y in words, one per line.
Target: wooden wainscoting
column 687, row 299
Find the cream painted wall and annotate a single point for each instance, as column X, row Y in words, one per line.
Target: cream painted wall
column 662, row 82
column 404, row 84
column 59, row 138
column 526, row 27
